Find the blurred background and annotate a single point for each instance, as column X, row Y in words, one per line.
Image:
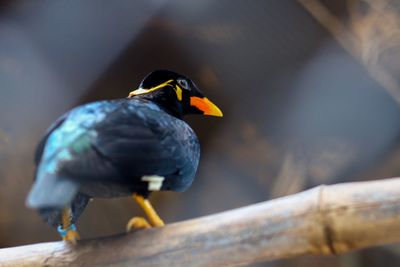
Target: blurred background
column 310, row 91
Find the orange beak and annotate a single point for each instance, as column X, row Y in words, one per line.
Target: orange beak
column 205, row 105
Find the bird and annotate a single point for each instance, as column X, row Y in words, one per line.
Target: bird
column 131, row 146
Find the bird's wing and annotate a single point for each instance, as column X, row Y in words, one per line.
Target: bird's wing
column 182, row 144
column 120, row 142
column 122, row 148
column 42, row 142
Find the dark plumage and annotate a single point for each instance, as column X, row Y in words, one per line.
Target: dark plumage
column 106, row 148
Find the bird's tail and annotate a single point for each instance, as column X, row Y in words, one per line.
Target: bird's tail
column 50, row 191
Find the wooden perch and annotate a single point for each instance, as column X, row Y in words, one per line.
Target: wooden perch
column 324, row 220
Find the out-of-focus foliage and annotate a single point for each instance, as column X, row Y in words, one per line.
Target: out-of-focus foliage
column 300, row 110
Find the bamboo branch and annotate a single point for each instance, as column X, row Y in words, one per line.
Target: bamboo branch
column 324, row 220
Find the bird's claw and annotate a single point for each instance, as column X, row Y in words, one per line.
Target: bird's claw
column 69, row 234
column 72, row 236
column 137, row 223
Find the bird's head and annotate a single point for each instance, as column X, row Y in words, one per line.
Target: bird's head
column 175, row 93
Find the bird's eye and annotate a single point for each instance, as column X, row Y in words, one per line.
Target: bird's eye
column 184, row 84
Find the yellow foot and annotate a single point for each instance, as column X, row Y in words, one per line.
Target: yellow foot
column 149, row 210
column 157, row 222
column 137, row 223
column 72, row 236
column 69, row 234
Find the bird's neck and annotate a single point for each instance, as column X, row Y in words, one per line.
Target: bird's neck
column 166, row 101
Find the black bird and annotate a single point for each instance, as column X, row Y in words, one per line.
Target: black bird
column 132, row 146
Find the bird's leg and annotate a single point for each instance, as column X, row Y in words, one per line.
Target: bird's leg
column 139, row 222
column 145, row 204
column 67, row 230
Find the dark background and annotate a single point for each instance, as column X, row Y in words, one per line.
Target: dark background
column 307, row 99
